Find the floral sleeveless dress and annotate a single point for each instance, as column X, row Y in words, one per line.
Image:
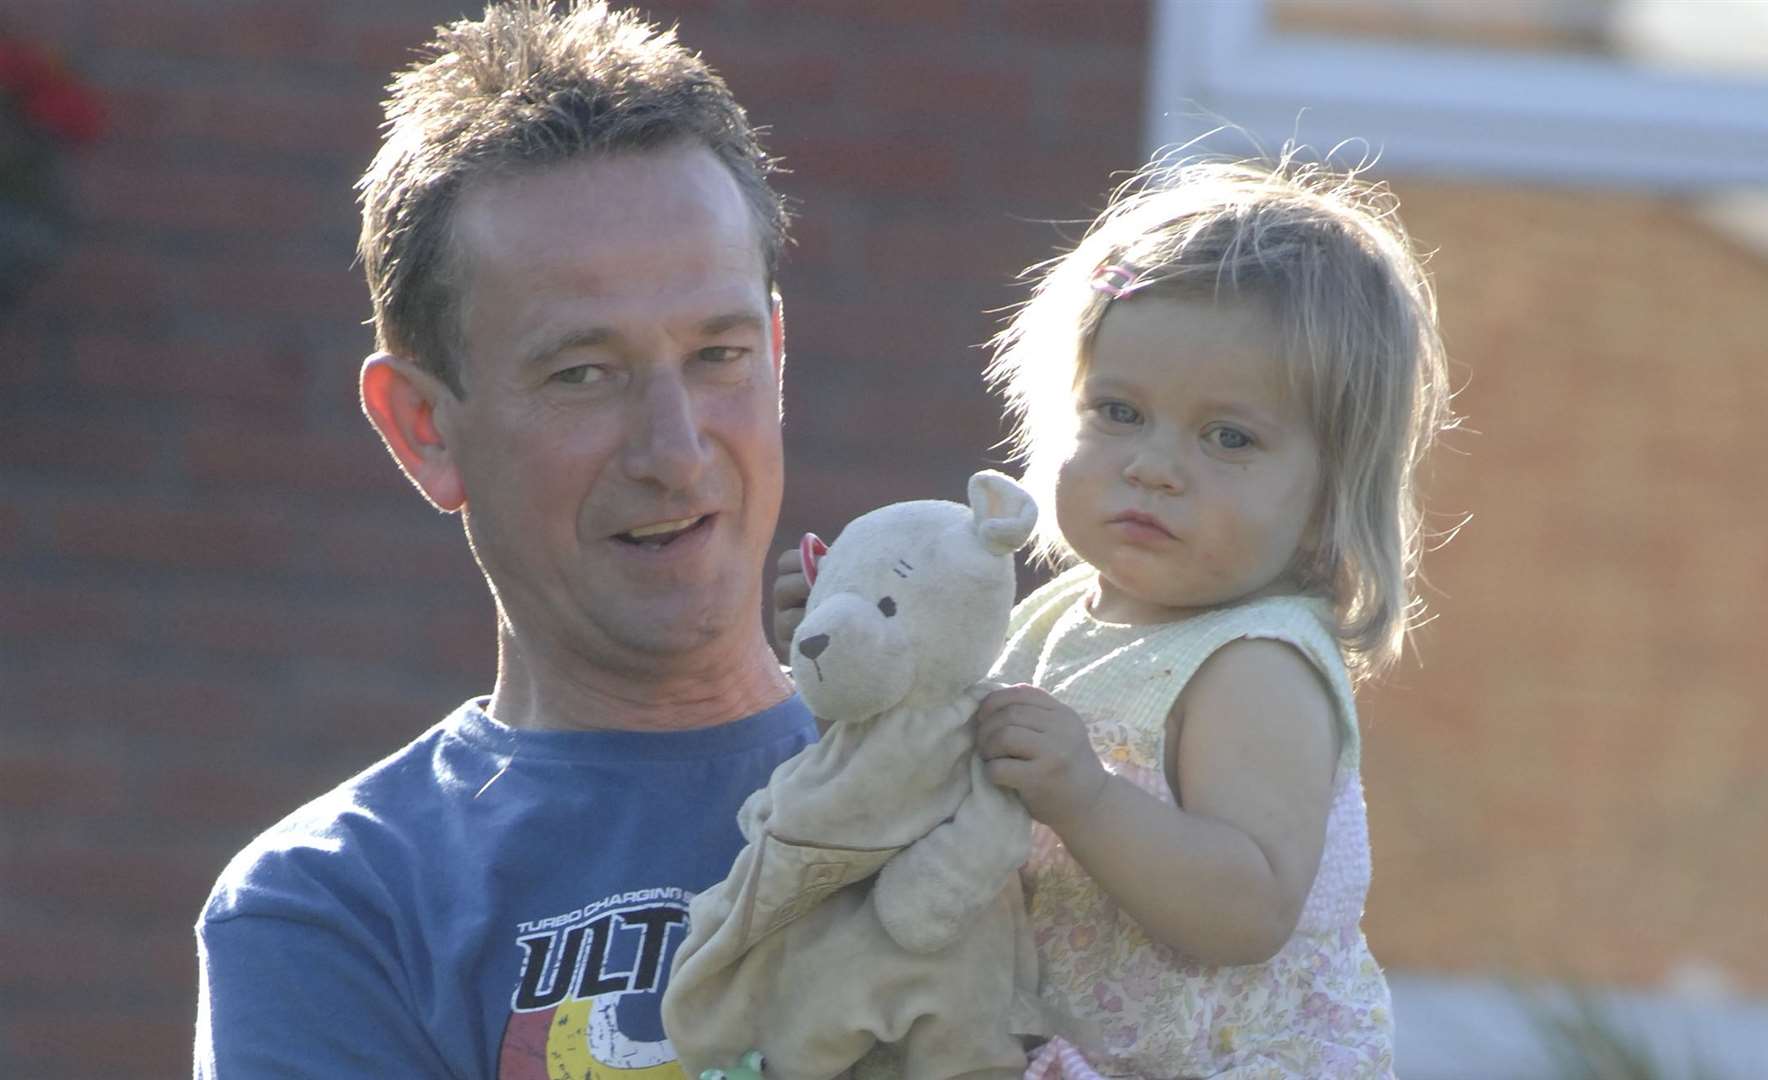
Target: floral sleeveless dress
column 1320, row 1007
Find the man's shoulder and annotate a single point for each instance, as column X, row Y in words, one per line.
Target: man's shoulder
column 342, row 847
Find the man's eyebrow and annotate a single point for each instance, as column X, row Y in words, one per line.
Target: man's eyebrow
column 735, row 320
column 595, row 336
column 584, row 338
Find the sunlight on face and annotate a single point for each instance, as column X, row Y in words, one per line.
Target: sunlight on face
column 1195, row 472
column 620, row 435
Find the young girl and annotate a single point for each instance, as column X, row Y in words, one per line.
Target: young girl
column 1223, row 392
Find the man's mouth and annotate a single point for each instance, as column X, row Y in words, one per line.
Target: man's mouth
column 663, row 533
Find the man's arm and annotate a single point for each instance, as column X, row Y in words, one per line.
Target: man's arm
column 282, row 998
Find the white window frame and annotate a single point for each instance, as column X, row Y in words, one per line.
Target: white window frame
column 1443, row 110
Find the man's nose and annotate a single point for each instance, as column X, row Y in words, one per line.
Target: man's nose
column 666, row 445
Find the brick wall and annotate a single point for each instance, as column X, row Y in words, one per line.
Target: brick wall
column 219, row 598
column 1573, row 782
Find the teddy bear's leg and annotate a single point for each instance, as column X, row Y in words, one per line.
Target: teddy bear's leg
column 969, row 1030
column 930, row 892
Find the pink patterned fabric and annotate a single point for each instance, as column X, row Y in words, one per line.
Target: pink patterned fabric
column 1059, row 1059
column 1126, row 1006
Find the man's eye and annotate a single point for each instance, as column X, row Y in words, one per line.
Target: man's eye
column 722, row 354
column 581, row 373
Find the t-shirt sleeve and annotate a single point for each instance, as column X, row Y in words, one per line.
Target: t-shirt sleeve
column 278, row 997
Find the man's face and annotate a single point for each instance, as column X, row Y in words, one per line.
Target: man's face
column 619, row 439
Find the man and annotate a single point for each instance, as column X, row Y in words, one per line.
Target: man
column 570, row 240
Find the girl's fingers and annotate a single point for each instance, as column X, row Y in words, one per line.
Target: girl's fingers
column 1006, row 772
column 785, row 624
column 790, row 591
column 1008, row 740
column 1019, row 698
column 790, row 562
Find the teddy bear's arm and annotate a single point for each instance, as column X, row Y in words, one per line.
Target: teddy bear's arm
column 930, row 891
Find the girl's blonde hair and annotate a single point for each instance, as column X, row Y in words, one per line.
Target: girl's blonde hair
column 1358, row 317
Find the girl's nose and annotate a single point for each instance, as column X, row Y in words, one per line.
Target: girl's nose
column 1156, row 468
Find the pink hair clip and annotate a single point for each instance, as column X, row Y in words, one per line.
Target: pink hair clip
column 1117, row 280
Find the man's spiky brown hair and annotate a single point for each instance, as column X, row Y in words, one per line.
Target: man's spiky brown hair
column 528, row 85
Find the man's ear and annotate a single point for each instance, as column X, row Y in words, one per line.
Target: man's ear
column 401, row 400
column 779, row 334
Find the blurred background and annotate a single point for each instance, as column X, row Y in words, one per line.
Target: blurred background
column 218, row 597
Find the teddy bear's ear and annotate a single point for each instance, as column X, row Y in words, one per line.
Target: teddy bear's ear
column 1004, row 511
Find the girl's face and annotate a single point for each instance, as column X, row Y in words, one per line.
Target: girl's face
column 1195, row 472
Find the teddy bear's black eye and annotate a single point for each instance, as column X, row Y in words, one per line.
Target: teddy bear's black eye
column 887, row 606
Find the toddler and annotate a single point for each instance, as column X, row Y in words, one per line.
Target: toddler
column 1222, row 392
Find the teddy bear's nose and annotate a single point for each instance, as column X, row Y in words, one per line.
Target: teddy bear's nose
column 812, row 647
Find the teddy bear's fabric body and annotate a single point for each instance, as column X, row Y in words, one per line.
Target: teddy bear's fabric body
column 877, row 900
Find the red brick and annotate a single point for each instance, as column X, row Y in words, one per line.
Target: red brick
column 882, row 166
column 55, row 954
column 258, row 458
column 46, row 23
column 349, row 550
column 263, row 626
column 463, row 639
column 146, row 190
column 246, row 31
column 922, row 16
column 253, row 374
column 220, row 791
column 97, row 1040
column 66, row 446
column 41, row 612
column 779, row 73
column 967, row 251
column 116, row 278
column 1115, row 22
column 1086, row 98
column 284, row 287
column 156, row 708
column 1054, row 183
column 21, row 352
column 317, row 120
column 381, row 47
column 117, row 883
column 66, row 783
column 931, row 87
column 12, row 529
column 147, row 533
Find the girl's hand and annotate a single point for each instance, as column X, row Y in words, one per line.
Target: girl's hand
column 1037, row 746
column 790, row 591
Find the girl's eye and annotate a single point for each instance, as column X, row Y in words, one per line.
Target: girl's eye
column 887, row 606
column 1229, row 438
column 1117, row 412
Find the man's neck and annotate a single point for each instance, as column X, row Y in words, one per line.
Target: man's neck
column 663, row 694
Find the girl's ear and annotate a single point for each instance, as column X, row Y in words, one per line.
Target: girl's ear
column 401, row 400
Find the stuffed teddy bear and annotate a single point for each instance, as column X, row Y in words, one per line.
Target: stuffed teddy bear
column 877, row 899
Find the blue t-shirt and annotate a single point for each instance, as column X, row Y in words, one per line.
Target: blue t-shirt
column 484, row 903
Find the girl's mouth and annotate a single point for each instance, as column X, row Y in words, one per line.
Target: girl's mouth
column 1138, row 523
